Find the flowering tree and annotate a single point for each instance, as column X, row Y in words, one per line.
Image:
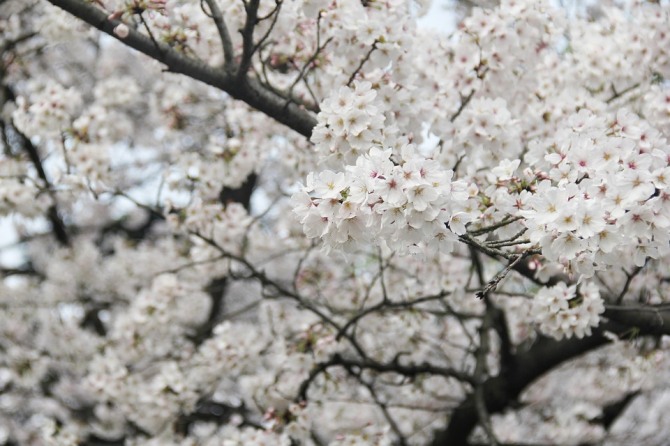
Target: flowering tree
column 451, row 239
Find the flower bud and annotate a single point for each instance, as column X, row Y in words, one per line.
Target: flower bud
column 121, row 31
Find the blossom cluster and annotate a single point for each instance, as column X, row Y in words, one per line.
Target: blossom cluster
column 165, row 392
column 205, row 321
column 47, row 110
column 150, row 335
column 213, row 225
column 20, row 194
column 566, row 311
column 225, row 161
column 602, row 194
column 405, row 203
column 157, row 319
column 637, row 41
column 229, row 146
column 349, row 122
column 485, row 134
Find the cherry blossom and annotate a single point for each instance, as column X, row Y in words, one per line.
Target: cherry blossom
column 320, row 222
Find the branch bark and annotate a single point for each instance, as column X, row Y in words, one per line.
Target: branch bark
column 647, row 319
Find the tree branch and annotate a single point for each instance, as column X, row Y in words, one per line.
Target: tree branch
column 246, row 89
column 224, row 35
column 481, row 371
column 57, row 224
column 410, row 370
column 502, row 390
column 647, row 319
column 362, row 62
column 248, row 47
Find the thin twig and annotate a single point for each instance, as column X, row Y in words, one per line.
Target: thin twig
column 629, row 279
column 384, row 408
column 224, row 35
column 362, row 62
column 151, row 35
column 305, row 69
column 308, row 64
column 278, row 288
column 278, row 4
column 387, row 305
column 303, row 258
column 275, row 17
column 409, row 370
column 493, row 283
column 505, row 221
column 618, row 94
column 464, row 103
column 465, row 238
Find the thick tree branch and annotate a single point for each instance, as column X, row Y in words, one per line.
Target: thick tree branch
column 502, row 390
column 246, row 89
column 613, row 411
column 646, row 319
column 481, row 371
